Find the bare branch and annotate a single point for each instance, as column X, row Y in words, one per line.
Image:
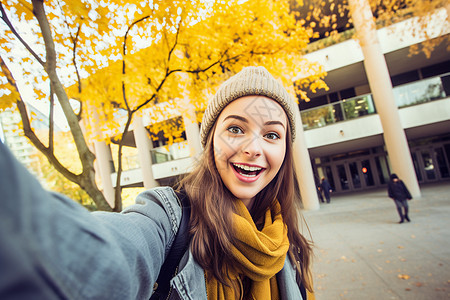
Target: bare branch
column 74, row 54
column 29, row 132
column 117, row 192
column 5, row 19
column 124, row 52
column 86, row 156
column 173, row 46
column 51, row 120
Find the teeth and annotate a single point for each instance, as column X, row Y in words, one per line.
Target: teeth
column 248, row 175
column 247, row 168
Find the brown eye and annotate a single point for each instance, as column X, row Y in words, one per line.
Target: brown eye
column 235, row 130
column 272, row 136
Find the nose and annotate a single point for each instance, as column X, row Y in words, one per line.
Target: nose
column 252, row 148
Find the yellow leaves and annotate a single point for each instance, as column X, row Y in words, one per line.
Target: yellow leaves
column 24, row 9
column 210, row 41
column 8, row 91
column 78, row 7
column 8, row 96
column 403, row 276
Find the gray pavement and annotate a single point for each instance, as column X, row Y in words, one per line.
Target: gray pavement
column 361, row 252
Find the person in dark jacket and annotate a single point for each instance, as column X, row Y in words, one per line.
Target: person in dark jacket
column 326, row 189
column 399, row 193
column 319, row 193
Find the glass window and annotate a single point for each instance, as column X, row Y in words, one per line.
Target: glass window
column 405, row 78
column 337, row 111
column 330, row 177
column 382, row 168
column 334, row 97
column 442, row 163
column 356, row 180
column 342, row 175
column 357, row 107
column 416, row 166
column 428, row 165
column 347, row 93
column 446, row 84
column 419, row 92
column 436, row 70
column 367, row 172
column 313, row 102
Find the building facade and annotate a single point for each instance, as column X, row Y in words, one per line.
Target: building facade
column 344, row 130
column 12, row 135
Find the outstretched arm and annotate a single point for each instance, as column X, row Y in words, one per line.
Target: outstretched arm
column 53, row 248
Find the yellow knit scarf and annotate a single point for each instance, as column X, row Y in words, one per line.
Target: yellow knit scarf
column 260, row 256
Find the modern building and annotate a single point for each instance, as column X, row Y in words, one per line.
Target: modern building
column 14, row 138
column 344, row 128
column 20, row 146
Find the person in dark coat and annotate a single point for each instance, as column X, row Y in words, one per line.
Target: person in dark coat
column 326, row 189
column 399, row 193
column 319, row 193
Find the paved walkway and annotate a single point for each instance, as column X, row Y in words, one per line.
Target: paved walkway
column 363, row 253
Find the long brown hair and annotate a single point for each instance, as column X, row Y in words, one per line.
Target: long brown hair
column 212, row 208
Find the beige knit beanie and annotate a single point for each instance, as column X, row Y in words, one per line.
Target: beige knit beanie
column 249, row 81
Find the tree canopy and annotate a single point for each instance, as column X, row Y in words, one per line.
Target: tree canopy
column 116, row 57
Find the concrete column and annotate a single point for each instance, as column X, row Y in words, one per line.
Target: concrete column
column 144, row 146
column 104, row 164
column 303, row 168
column 381, row 87
column 192, row 129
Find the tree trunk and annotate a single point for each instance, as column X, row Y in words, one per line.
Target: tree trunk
column 87, row 177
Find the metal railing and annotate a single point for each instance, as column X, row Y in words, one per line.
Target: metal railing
column 405, row 95
column 172, row 152
column 339, row 111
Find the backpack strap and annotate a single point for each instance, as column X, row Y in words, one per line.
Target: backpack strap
column 179, row 247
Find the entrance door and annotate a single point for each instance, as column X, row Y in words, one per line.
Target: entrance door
column 342, row 177
column 367, row 173
column 431, row 163
column 361, row 172
column 356, row 174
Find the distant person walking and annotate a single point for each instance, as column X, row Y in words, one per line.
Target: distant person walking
column 319, row 193
column 399, row 193
column 326, row 189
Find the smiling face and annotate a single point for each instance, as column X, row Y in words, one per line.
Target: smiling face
column 249, row 145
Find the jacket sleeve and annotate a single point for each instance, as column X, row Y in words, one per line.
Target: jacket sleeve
column 407, row 193
column 390, row 193
column 53, row 248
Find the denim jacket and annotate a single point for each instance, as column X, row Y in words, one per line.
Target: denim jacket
column 189, row 283
column 53, row 248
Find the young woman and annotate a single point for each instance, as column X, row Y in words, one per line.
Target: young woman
column 243, row 228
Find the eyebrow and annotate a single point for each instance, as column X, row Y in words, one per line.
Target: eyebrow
column 236, row 117
column 274, row 123
column 246, row 121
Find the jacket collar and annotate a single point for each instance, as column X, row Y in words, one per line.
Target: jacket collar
column 190, row 281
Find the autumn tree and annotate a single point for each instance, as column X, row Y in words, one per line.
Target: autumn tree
column 119, row 57
column 331, row 20
column 47, row 48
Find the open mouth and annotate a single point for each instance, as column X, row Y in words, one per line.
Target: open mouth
column 247, row 171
